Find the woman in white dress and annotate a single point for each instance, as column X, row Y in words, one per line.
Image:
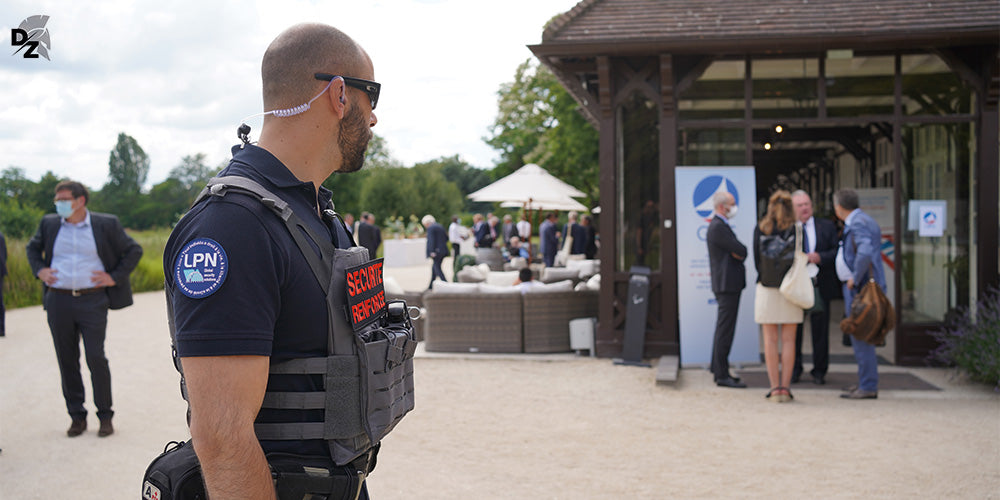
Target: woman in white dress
column 774, row 243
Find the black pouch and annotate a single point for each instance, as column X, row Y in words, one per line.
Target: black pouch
column 174, row 475
column 298, row 477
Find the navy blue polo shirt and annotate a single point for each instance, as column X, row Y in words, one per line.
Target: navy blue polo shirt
column 258, row 295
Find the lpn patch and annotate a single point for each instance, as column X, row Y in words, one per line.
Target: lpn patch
column 201, row 268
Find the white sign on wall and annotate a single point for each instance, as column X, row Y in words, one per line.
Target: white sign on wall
column 696, row 302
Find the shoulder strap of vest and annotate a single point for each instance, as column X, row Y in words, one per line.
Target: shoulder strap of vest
column 219, row 186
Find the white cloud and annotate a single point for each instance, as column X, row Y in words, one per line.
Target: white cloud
column 178, row 76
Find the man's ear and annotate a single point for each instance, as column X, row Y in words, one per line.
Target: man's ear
column 338, row 96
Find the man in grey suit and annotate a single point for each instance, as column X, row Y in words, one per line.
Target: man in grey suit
column 83, row 259
column 858, row 260
column 726, row 256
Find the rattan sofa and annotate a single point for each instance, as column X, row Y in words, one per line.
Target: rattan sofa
column 536, row 322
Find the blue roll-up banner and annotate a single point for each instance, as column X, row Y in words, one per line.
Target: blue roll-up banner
column 697, row 306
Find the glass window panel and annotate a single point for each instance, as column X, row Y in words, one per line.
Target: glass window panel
column 711, row 147
column 930, row 87
column 716, row 94
column 785, row 88
column 638, row 241
column 937, row 271
column 860, row 86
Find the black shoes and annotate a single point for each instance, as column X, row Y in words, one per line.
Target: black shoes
column 819, row 379
column 76, row 428
column 730, row 382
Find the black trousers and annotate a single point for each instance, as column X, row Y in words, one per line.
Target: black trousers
column 70, row 319
column 3, row 312
column 436, row 271
column 455, row 248
column 820, row 340
column 725, row 329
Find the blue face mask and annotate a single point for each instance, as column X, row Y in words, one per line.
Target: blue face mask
column 64, row 208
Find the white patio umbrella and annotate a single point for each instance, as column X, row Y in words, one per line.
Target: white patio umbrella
column 564, row 204
column 529, row 182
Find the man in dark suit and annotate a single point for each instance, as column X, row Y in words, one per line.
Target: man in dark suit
column 3, row 272
column 549, row 239
column 84, row 260
column 481, row 231
column 726, row 256
column 369, row 235
column 437, row 247
column 859, row 259
column 578, row 233
column 820, row 237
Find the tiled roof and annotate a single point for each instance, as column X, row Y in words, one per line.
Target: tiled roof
column 687, row 20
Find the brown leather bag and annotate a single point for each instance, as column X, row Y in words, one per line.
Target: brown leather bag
column 872, row 315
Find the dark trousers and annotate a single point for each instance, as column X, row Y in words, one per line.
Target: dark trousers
column 436, row 271
column 71, row 318
column 3, row 312
column 455, row 248
column 820, row 340
column 725, row 329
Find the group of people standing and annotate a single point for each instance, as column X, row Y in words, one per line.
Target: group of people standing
column 836, row 263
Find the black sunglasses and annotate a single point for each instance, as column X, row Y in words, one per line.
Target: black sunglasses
column 367, row 86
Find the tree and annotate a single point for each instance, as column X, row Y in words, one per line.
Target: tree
column 128, row 166
column 466, row 177
column 191, row 175
column 415, row 191
column 538, row 122
column 14, row 184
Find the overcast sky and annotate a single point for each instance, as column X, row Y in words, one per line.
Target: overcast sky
column 178, row 76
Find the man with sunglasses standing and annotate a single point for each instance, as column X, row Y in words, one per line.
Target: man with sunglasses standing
column 246, row 297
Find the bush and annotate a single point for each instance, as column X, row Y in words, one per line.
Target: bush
column 971, row 341
column 18, row 220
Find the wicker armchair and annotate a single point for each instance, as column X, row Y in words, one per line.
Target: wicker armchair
column 473, row 322
column 546, row 317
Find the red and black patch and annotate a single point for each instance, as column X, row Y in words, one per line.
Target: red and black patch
column 365, row 294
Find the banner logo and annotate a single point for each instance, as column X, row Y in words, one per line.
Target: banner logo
column 705, row 189
column 31, row 38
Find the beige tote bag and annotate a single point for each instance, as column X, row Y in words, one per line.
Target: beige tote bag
column 796, row 286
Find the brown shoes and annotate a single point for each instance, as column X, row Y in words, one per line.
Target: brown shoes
column 859, row 394
column 106, row 429
column 76, row 428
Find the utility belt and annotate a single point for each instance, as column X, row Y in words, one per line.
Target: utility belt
column 176, row 475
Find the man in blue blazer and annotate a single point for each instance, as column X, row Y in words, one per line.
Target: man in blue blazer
column 860, row 252
column 820, row 235
column 437, row 246
column 726, row 256
column 83, row 259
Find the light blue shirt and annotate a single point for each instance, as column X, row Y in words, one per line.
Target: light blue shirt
column 74, row 255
